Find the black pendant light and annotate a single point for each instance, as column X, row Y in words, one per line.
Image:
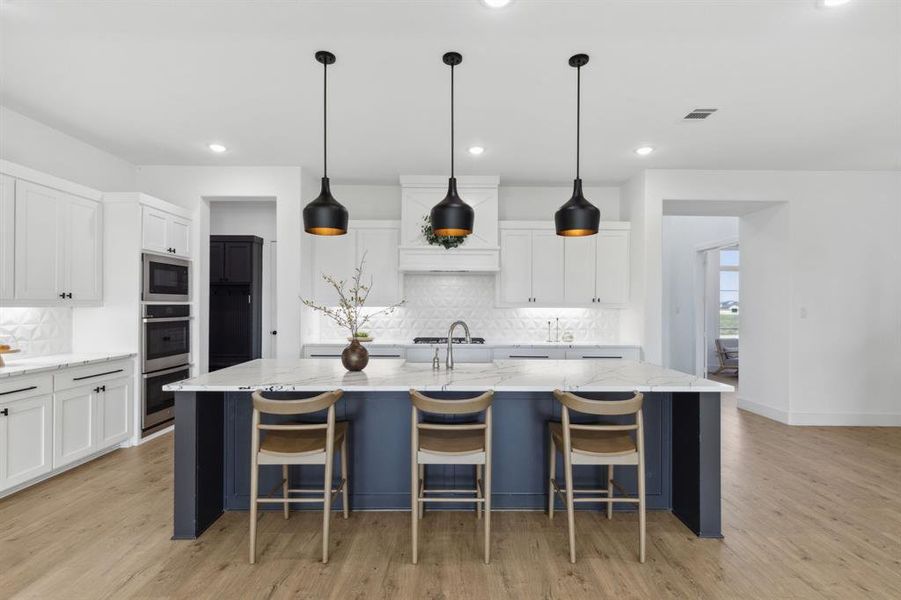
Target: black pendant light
column 325, row 215
column 452, row 217
column 578, row 217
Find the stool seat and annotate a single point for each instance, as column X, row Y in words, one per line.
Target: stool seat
column 595, row 442
column 305, row 441
column 450, row 441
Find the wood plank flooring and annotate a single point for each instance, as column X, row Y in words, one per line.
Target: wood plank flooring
column 808, row 513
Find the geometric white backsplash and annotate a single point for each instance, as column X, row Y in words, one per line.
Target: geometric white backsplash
column 36, row 331
column 434, row 301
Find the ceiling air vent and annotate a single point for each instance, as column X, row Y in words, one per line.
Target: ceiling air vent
column 699, row 114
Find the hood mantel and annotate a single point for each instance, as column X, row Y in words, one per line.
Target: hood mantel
column 480, row 252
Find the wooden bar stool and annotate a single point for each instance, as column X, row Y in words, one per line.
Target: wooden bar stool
column 451, row 444
column 297, row 444
column 599, row 444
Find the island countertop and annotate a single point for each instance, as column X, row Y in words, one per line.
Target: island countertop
column 393, row 375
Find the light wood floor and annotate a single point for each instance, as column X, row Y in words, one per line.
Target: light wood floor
column 808, row 513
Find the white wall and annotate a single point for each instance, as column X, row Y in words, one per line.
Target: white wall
column 196, row 187
column 681, row 239
column 33, row 144
column 820, row 287
column 252, row 218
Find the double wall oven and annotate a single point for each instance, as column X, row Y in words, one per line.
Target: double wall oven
column 166, row 336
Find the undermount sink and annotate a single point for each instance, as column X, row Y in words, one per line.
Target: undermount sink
column 462, row 354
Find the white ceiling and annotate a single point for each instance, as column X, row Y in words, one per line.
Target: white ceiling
column 154, row 81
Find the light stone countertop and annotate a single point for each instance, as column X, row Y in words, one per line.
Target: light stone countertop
column 379, row 343
column 53, row 362
column 392, row 375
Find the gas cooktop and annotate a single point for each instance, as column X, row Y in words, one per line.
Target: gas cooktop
column 443, row 340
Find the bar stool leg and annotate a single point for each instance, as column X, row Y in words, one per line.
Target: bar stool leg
column 610, row 491
column 421, row 505
column 344, row 476
column 641, row 508
column 415, row 507
column 487, row 494
column 479, row 490
column 552, row 471
column 570, row 506
column 326, row 507
column 285, row 487
column 254, row 484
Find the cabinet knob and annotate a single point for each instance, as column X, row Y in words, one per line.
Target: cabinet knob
column 274, row 332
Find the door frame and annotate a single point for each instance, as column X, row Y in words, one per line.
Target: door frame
column 702, row 251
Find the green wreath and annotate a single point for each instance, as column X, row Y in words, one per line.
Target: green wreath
column 447, row 241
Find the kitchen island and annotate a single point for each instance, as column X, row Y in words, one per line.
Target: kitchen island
column 213, row 416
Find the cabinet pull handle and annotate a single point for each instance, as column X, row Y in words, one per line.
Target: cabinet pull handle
column 526, row 356
column 97, row 375
column 63, row 295
column 4, row 412
column 69, row 295
column 33, row 387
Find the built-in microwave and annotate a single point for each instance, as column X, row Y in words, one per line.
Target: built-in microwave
column 166, row 279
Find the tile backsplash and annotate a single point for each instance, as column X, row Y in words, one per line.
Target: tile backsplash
column 434, row 301
column 37, row 331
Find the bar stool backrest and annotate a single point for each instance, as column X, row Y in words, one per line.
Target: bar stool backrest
column 451, row 407
column 607, row 408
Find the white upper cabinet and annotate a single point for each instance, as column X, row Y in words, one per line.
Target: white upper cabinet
column 58, row 247
column 547, row 274
column 515, row 285
column 338, row 255
column 612, row 268
column 380, row 246
column 540, row 268
column 39, row 243
column 165, row 233
column 580, row 255
column 7, row 236
column 82, row 262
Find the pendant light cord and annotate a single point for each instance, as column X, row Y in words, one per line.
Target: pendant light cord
column 578, row 116
column 324, row 120
column 452, row 121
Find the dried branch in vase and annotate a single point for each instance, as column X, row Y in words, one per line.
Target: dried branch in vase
column 351, row 301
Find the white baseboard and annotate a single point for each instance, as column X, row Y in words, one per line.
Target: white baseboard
column 763, row 410
column 845, row 419
column 821, row 419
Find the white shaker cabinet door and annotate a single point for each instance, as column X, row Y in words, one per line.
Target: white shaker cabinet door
column 39, row 242
column 74, row 424
column 516, row 267
column 547, row 276
column 83, row 266
column 179, row 236
column 612, row 281
column 579, row 270
column 333, row 255
column 380, row 246
column 113, row 412
column 26, row 445
column 7, row 236
column 154, row 230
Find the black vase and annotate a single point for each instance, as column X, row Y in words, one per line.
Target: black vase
column 355, row 357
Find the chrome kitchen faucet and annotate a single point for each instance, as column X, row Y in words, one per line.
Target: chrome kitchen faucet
column 449, row 361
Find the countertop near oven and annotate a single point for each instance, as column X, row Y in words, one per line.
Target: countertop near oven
column 36, row 364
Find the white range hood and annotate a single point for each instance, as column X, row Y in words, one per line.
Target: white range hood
column 480, row 252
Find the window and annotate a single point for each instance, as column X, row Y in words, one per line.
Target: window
column 729, row 293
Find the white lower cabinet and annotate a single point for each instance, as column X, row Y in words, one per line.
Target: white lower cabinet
column 26, row 439
column 74, row 431
column 89, row 411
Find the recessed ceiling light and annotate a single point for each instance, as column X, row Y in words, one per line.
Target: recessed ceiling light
column 644, row 150
column 476, row 150
column 217, row 148
column 496, row 3
column 831, row 3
